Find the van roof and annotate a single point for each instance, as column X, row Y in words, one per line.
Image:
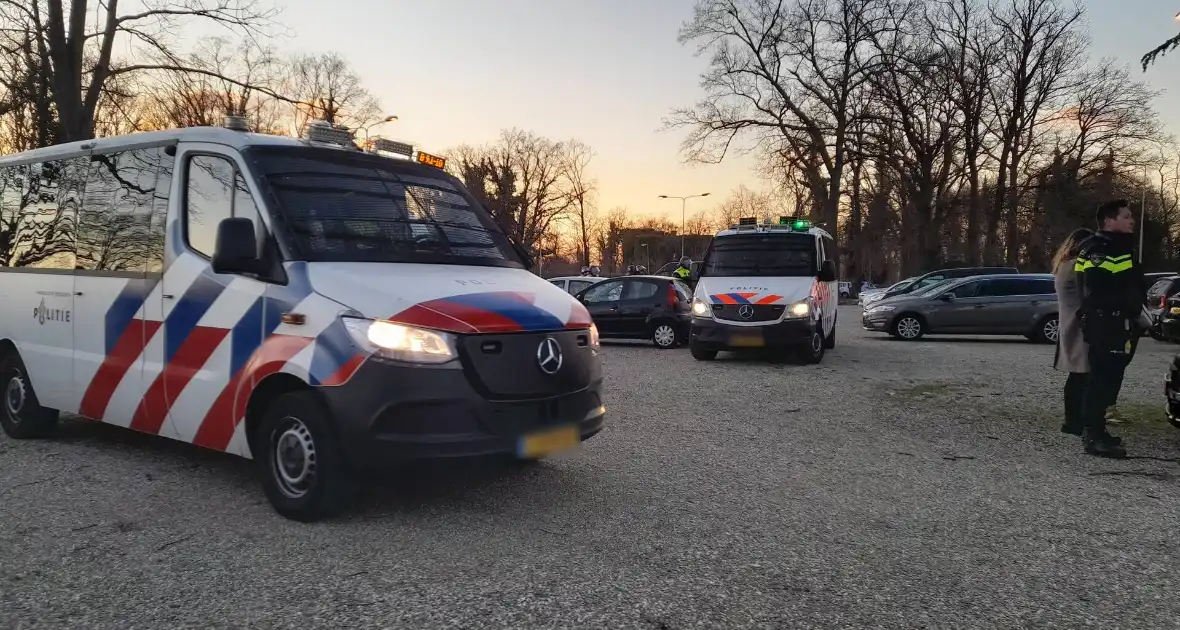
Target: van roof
column 213, row 135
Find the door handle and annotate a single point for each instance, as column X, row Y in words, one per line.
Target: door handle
column 980, row 305
column 168, row 296
column 614, row 308
column 77, row 293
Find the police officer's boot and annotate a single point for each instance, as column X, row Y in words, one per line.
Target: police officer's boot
column 1103, row 444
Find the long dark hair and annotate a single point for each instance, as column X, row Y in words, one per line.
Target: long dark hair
column 1070, row 246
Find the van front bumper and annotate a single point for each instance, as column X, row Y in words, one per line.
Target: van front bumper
column 388, row 414
column 710, row 334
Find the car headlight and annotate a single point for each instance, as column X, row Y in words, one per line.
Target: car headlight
column 701, row 308
column 398, row 342
column 799, row 309
column 880, row 309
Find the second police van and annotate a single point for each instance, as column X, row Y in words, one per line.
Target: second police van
column 316, row 307
column 767, row 286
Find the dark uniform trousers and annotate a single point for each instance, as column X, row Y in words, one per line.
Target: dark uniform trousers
column 1113, row 341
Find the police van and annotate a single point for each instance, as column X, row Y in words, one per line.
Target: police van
column 766, row 286
column 298, row 301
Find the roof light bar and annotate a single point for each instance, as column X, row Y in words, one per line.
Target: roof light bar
column 322, row 132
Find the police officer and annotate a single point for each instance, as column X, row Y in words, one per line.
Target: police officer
column 1112, row 288
column 684, row 271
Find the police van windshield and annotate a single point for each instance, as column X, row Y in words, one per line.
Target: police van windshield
column 766, row 255
column 338, row 206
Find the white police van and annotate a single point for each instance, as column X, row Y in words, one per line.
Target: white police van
column 766, row 286
column 316, row 307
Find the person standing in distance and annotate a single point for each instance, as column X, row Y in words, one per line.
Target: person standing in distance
column 1072, row 353
column 1112, row 291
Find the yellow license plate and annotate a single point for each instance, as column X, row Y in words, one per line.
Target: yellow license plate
column 1175, row 310
column 547, row 442
column 746, row 341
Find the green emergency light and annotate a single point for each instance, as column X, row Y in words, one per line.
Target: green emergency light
column 796, row 224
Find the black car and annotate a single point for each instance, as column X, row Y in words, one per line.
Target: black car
column 1156, row 305
column 934, row 277
column 640, row 307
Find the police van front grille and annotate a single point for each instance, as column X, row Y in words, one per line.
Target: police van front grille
column 756, row 312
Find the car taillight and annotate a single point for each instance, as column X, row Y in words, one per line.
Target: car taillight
column 673, row 297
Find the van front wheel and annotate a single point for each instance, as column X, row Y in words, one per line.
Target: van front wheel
column 23, row 417
column 304, row 473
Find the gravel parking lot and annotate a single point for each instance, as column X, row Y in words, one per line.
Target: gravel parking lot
column 896, row 484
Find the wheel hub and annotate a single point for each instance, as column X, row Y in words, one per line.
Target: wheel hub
column 665, row 335
column 294, row 459
column 14, row 397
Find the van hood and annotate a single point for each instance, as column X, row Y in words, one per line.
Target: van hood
column 453, row 298
column 740, row 290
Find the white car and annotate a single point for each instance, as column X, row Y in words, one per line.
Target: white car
column 869, row 296
column 575, row 284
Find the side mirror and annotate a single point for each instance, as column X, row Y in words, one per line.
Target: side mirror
column 827, row 272
column 236, row 249
column 947, row 297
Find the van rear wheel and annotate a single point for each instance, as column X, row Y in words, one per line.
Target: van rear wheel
column 23, row 417
column 305, row 476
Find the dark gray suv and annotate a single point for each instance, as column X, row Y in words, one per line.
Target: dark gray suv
column 1008, row 304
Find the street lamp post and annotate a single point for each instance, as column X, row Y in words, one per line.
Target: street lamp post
column 683, row 202
column 389, row 118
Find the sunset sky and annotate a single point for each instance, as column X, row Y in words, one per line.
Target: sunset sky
column 604, row 71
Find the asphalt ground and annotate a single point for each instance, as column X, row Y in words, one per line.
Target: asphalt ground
column 897, row 484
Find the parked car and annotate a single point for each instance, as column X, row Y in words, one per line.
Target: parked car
column 872, row 295
column 1172, row 392
column 1155, row 303
column 640, row 307
column 574, row 284
column 996, row 304
column 927, row 280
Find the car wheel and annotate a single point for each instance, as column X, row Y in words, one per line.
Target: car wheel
column 909, row 327
column 664, row 335
column 23, row 416
column 812, row 352
column 1049, row 330
column 701, row 354
column 304, row 473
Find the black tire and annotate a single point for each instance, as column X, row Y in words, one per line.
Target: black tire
column 664, row 335
column 1047, row 330
column 23, row 417
column 904, row 327
column 812, row 352
column 701, row 354
column 324, row 485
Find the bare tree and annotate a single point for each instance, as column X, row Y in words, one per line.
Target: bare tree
column 966, row 41
column 326, row 88
column 582, row 191
column 1038, row 42
column 521, row 180
column 83, row 59
column 785, row 75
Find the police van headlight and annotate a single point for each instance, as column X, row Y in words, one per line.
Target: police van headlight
column 398, row 342
column 799, row 309
column 701, row 308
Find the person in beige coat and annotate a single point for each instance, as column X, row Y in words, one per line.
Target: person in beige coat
column 1072, row 350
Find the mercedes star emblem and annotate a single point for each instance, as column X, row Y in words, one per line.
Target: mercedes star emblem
column 549, row 356
column 746, row 311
